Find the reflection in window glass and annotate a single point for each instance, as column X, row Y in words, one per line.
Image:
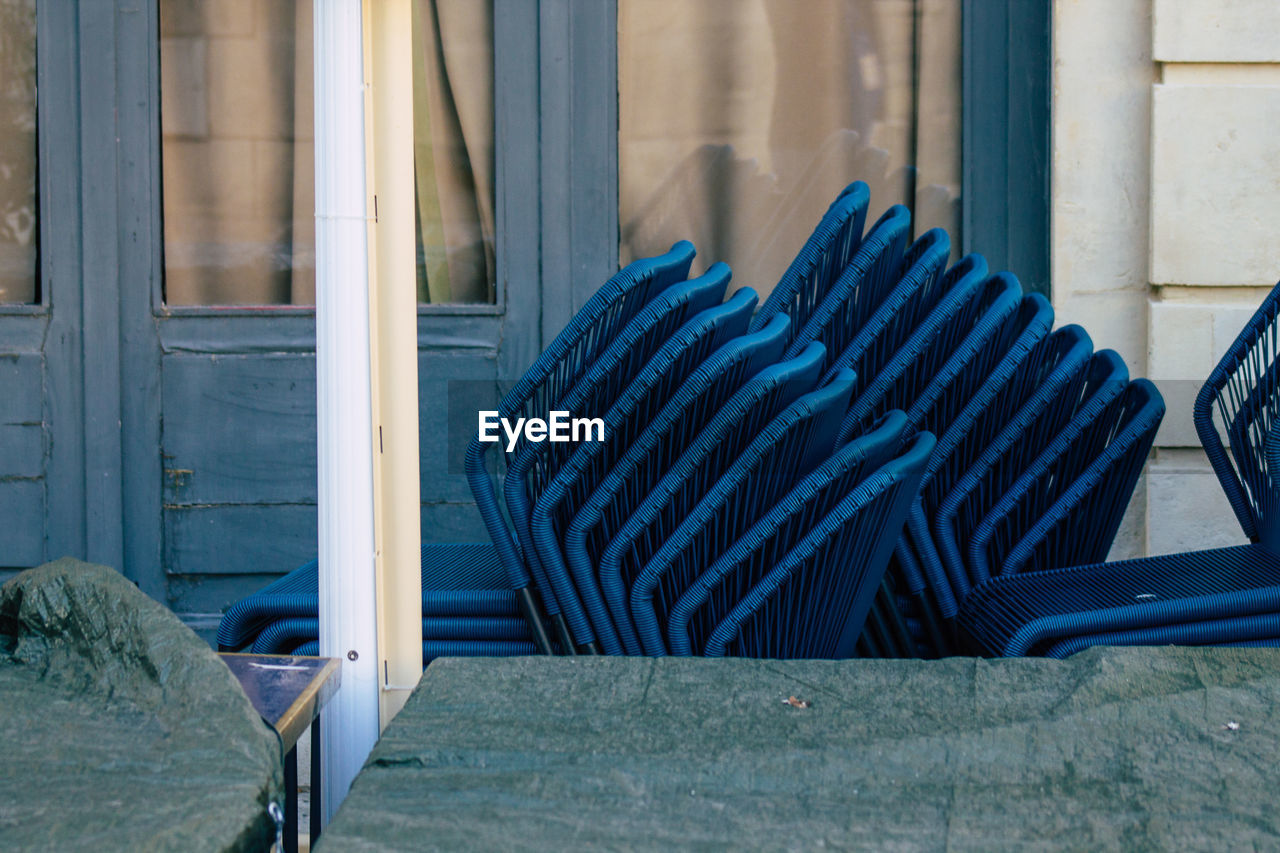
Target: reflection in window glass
column 453, row 149
column 237, row 153
column 740, row 120
column 19, row 235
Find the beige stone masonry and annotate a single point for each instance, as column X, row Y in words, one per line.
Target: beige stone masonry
column 1166, row 214
column 1215, row 184
column 1216, row 30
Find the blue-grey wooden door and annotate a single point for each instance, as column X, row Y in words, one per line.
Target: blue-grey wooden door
column 55, row 450
column 221, row 402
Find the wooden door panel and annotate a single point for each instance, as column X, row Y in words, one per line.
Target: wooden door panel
column 22, row 460
column 239, row 430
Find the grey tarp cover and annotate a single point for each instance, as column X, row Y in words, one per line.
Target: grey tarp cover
column 1112, row 749
column 119, row 728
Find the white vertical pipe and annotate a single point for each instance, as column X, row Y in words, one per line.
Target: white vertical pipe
column 393, row 291
column 348, row 622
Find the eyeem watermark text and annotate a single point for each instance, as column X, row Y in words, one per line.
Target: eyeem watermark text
column 559, row 427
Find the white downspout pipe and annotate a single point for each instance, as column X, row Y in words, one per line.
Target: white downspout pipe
column 394, row 306
column 348, row 620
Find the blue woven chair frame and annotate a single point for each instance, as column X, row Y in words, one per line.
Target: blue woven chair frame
column 712, row 453
column 813, row 603
column 822, row 258
column 1008, row 370
column 532, row 465
column 1243, row 390
column 721, row 384
column 1017, row 447
column 786, row 449
column 932, row 377
column 1065, row 510
column 651, row 455
column 552, row 374
column 1020, row 614
column 917, row 293
column 863, row 284
column 692, row 619
column 969, row 315
column 652, row 388
column 1214, row 632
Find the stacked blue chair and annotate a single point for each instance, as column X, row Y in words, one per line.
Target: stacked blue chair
column 1067, row 507
column 1259, row 630
column 900, row 313
column 786, row 449
column 861, row 287
column 773, row 485
column 532, row 464
column 587, row 464
column 1222, row 596
column 574, row 518
column 812, row 602
column 1064, row 512
column 1068, row 387
column 1012, row 380
column 699, row 433
column 930, row 377
column 744, row 426
column 574, row 351
column 820, row 261
column 710, row 596
column 969, row 314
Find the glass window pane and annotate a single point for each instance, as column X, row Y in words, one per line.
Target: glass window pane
column 740, row 120
column 453, row 150
column 19, row 234
column 237, row 152
column 236, row 123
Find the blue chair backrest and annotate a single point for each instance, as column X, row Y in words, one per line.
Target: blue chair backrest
column 1010, row 379
column 1011, row 371
column 1243, row 391
column 906, row 306
column 556, row 370
column 531, row 465
column 1066, row 508
column 786, row 449
column 776, row 531
column 1018, row 445
column 933, row 378
column 972, row 306
column 1269, row 524
column 587, row 463
column 814, row 601
column 653, row 453
column 861, row 287
column 974, row 362
column 820, row 261
column 711, row 454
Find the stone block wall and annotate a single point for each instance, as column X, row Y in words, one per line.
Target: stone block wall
column 1166, row 207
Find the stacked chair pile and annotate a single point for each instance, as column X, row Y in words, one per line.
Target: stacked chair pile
column 828, row 474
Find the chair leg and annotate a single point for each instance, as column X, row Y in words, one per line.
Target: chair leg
column 876, row 627
column 567, row 645
column 529, row 609
column 897, row 627
column 931, row 624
